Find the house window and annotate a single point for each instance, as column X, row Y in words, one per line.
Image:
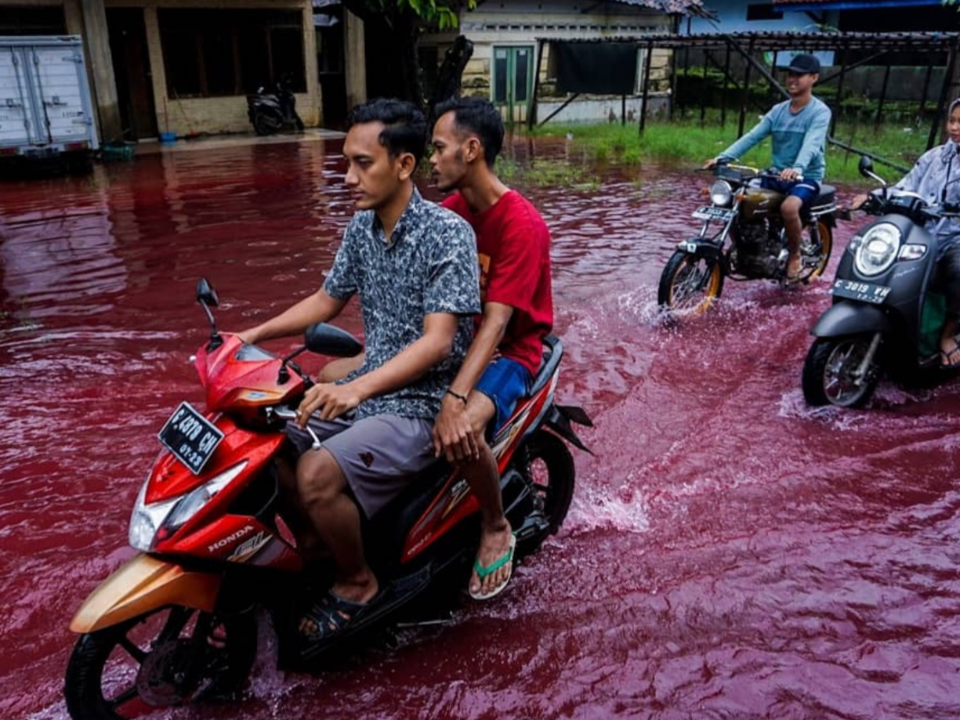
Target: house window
column 32, row 21
column 211, row 53
column 500, row 56
column 330, row 48
column 512, row 74
column 763, row 11
column 521, row 74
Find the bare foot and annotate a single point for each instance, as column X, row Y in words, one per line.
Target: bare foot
column 494, row 545
column 794, row 268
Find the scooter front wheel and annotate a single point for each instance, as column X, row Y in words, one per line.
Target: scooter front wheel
column 831, row 372
column 169, row 656
column 689, row 284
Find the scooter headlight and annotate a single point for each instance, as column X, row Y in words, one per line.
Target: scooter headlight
column 721, row 193
column 877, row 249
column 151, row 523
column 147, row 519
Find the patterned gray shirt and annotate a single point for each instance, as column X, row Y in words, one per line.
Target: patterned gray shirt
column 429, row 266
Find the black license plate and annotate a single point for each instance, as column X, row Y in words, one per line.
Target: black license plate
column 190, row 437
column 709, row 212
column 864, row 292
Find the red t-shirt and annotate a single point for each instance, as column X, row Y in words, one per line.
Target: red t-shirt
column 513, row 246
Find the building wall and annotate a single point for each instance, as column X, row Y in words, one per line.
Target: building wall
column 601, row 109
column 732, row 17
column 227, row 114
column 212, row 115
column 523, row 22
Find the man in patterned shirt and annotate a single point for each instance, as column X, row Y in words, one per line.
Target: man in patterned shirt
column 414, row 266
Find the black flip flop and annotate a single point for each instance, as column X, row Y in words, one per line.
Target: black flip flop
column 332, row 615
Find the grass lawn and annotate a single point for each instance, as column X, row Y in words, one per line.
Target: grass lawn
column 687, row 142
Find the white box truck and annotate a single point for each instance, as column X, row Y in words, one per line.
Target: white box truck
column 45, row 103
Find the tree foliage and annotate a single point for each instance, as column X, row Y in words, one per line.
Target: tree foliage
column 405, row 21
column 443, row 14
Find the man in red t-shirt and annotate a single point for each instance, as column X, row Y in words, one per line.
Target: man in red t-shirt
column 513, row 246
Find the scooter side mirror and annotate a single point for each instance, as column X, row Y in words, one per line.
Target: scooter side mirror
column 206, row 295
column 865, row 166
column 329, row 340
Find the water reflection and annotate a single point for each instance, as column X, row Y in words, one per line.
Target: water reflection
column 730, row 553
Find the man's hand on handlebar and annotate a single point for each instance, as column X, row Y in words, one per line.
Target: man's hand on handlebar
column 790, row 174
column 711, row 163
column 248, row 336
column 331, row 400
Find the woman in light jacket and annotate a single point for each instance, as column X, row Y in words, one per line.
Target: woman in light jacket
column 936, row 178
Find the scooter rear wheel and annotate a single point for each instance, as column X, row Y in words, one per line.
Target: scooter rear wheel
column 549, row 467
column 829, row 372
column 123, row 671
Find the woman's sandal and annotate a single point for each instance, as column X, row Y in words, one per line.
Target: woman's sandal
column 950, row 360
column 331, row 616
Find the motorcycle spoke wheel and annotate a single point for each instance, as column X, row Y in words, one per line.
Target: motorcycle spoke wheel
column 689, row 284
column 816, row 251
column 830, row 373
column 128, row 670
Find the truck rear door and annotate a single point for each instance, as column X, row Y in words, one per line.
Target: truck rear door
column 18, row 121
column 58, row 83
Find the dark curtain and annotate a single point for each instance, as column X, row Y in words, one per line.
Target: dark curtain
column 602, row 68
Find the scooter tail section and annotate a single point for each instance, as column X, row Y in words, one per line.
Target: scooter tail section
column 142, row 584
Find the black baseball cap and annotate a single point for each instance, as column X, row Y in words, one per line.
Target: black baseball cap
column 804, row 64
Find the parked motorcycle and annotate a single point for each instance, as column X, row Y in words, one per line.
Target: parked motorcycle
column 886, row 315
column 748, row 240
column 271, row 111
column 176, row 624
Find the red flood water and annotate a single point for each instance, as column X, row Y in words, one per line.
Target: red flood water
column 730, row 553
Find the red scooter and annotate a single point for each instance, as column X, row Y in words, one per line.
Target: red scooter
column 177, row 623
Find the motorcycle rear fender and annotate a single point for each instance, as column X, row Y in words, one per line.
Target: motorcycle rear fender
column 700, row 248
column 559, row 418
column 852, row 318
column 142, row 584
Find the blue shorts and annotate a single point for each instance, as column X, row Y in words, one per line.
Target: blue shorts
column 504, row 382
column 806, row 190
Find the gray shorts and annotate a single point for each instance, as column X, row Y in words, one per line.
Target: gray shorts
column 380, row 456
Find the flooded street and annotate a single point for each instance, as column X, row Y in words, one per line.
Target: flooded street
column 730, row 552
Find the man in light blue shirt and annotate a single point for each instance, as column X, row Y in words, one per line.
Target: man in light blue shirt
column 799, row 129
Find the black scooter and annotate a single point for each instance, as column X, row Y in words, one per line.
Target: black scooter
column 887, row 315
column 273, row 111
